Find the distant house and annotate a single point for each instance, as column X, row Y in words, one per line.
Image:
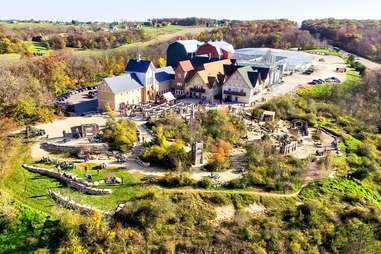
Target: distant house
column 164, row 78
column 145, row 73
column 244, row 86
column 183, row 69
column 181, row 50
column 117, row 92
column 216, row 49
column 206, row 83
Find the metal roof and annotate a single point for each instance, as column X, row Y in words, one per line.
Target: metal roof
column 165, row 74
column 190, row 46
column 222, row 45
column 257, row 56
column 169, row 96
column 122, row 83
column 136, row 65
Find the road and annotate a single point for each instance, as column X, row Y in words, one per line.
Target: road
column 370, row 64
column 366, row 62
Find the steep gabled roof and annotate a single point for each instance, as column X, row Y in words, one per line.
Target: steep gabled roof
column 213, row 70
column 263, row 71
column 230, row 69
column 136, row 65
column 190, row 75
column 250, row 76
column 122, row 83
column 186, row 65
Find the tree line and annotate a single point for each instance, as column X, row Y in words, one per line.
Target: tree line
column 263, row 33
column 61, row 37
column 362, row 37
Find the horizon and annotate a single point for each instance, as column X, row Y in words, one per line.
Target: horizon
column 97, row 10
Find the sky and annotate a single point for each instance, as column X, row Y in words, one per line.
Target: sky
column 140, row 10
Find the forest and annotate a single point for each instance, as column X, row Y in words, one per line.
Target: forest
column 362, row 37
column 59, row 37
column 191, row 21
column 263, row 33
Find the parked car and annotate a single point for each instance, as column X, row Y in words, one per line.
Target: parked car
column 214, row 176
column 91, row 95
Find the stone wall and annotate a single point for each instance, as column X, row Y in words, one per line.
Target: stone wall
column 76, row 150
column 73, row 182
column 72, row 205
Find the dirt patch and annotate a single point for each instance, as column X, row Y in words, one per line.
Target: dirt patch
column 225, row 213
column 255, row 208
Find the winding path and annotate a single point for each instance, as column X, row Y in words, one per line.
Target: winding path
column 248, row 192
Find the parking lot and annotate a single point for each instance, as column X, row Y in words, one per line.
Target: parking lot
column 323, row 70
column 80, row 101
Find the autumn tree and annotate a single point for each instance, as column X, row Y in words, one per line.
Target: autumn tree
column 120, row 134
column 218, row 159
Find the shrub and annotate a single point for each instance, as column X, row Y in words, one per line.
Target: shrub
column 216, row 198
column 176, row 180
column 205, row 183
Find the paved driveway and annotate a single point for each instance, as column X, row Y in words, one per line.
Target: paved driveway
column 323, row 70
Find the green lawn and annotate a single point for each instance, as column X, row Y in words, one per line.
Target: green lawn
column 353, row 76
column 326, row 51
column 20, row 25
column 153, row 32
column 340, row 186
column 150, row 32
column 31, row 189
column 38, row 48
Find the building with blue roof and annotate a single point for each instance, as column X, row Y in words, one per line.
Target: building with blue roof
column 144, row 70
column 164, row 78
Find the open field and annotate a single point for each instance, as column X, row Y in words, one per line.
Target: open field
column 153, row 32
column 161, row 37
column 23, row 25
column 153, row 35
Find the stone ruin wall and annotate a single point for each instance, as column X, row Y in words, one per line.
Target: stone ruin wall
column 77, row 184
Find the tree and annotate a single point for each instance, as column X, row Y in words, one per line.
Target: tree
column 162, row 61
column 57, row 42
column 121, row 134
column 220, row 150
column 357, row 238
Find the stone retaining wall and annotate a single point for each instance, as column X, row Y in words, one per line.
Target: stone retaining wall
column 76, row 150
column 72, row 205
column 73, row 182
